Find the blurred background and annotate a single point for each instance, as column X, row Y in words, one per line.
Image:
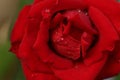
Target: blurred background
column 10, row 68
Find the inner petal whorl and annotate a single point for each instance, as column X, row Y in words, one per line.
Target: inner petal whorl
column 66, row 38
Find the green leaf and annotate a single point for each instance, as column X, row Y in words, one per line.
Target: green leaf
column 118, row 77
column 7, row 62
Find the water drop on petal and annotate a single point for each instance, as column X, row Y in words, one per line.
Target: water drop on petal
column 47, row 10
column 46, row 13
column 62, row 39
column 86, row 13
column 79, row 10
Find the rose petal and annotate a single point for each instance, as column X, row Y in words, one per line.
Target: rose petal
column 37, row 76
column 82, row 21
column 112, row 10
column 27, row 72
column 29, row 37
column 107, row 36
column 44, row 52
column 117, row 51
column 55, row 5
column 35, row 64
column 112, row 67
column 26, row 52
column 56, row 20
column 86, row 41
column 81, row 71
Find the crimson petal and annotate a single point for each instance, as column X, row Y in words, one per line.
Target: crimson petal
column 56, row 5
column 81, row 71
column 107, row 36
column 43, row 50
column 37, row 76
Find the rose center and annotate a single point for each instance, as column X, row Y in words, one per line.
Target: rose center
column 69, row 39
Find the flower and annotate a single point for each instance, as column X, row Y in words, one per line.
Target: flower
column 68, row 39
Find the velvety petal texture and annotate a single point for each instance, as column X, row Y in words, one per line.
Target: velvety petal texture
column 19, row 29
column 68, row 39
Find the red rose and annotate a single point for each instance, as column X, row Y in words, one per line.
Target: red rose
column 68, row 39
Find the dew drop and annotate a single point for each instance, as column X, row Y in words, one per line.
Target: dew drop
column 59, row 39
column 86, row 13
column 46, row 13
column 47, row 10
column 79, row 10
column 62, row 39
